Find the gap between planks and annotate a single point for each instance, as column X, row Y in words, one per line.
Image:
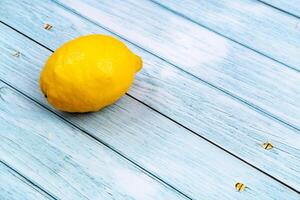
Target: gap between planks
column 24, row 180
column 279, row 9
column 221, row 34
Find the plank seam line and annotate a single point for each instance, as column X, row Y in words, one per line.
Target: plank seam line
column 279, row 9
column 119, row 153
column 43, row 164
column 28, row 182
column 220, row 34
column 100, row 142
column 233, row 96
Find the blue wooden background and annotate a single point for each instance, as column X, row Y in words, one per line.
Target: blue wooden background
column 220, row 78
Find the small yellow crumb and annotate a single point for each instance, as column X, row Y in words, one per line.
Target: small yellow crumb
column 267, row 145
column 240, row 187
column 48, row 26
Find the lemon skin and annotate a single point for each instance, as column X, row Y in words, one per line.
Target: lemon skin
column 88, row 73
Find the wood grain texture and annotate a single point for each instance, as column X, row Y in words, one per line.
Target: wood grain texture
column 249, row 22
column 230, row 67
column 182, row 97
column 167, row 150
column 14, row 187
column 291, row 6
column 64, row 161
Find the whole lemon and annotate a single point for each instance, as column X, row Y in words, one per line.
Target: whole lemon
column 88, row 73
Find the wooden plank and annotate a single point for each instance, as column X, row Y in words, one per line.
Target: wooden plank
column 291, row 6
column 248, row 22
column 63, row 161
column 14, row 187
column 230, row 67
column 206, row 111
column 167, row 150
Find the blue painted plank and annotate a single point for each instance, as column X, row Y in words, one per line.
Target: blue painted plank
column 248, row 22
column 64, row 161
column 167, row 150
column 232, row 68
column 208, row 112
column 290, row 6
column 15, row 187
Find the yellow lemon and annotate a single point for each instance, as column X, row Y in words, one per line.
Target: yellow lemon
column 88, row 73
